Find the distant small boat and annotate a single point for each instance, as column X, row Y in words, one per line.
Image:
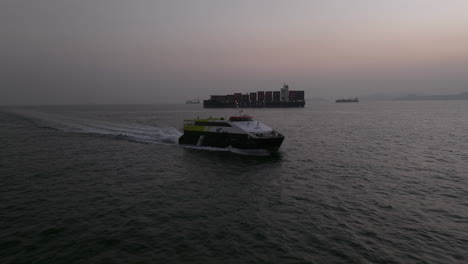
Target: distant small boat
column 193, row 101
column 353, row 100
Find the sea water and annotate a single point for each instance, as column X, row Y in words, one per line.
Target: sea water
column 372, row 182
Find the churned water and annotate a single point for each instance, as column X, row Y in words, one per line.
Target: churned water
column 352, row 183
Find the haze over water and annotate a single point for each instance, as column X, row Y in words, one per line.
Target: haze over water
column 116, row 51
column 352, row 183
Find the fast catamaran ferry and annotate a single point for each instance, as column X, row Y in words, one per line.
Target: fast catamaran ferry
column 239, row 132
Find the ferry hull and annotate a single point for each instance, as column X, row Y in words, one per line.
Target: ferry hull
column 224, row 140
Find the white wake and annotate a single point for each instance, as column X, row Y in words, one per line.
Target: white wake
column 134, row 131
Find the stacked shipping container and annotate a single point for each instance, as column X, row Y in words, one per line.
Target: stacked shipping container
column 257, row 99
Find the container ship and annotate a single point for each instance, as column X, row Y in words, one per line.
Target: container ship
column 260, row 99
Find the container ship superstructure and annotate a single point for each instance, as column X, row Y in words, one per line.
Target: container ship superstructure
column 260, row 99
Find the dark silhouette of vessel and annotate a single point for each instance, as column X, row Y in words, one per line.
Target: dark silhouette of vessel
column 260, row 99
column 353, row 100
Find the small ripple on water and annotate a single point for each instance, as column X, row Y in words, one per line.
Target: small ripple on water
column 349, row 190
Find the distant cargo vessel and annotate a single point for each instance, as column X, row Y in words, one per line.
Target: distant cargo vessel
column 354, row 100
column 260, row 99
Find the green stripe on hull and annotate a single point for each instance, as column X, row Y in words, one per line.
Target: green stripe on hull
column 204, row 120
column 192, row 127
column 195, row 128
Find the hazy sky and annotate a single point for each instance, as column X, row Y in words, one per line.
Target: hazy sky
column 149, row 51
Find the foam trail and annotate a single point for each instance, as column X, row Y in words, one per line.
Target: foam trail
column 134, row 131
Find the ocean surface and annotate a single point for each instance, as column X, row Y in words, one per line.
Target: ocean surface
column 368, row 182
